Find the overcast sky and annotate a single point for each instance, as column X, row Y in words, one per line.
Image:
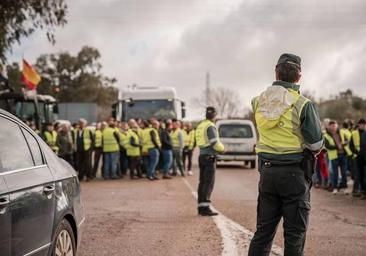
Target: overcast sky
column 174, row 42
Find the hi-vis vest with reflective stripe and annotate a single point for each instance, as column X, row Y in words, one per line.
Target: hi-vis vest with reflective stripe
column 202, row 137
column 174, row 136
column 130, row 149
column 86, row 138
column 51, row 138
column 277, row 114
column 332, row 153
column 98, row 138
column 346, row 137
column 356, row 139
column 149, row 143
column 110, row 143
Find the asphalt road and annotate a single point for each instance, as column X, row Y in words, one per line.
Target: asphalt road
column 141, row 217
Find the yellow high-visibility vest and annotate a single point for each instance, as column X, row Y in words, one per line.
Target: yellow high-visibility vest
column 356, row 140
column 98, row 138
column 110, row 143
column 202, row 137
column 189, row 138
column 147, row 139
column 130, row 149
column 332, row 153
column 51, row 138
column 279, row 132
column 87, row 140
column 346, row 136
column 174, row 136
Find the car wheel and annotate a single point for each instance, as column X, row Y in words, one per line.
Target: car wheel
column 252, row 164
column 64, row 240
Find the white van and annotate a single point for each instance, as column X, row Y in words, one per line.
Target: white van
column 239, row 138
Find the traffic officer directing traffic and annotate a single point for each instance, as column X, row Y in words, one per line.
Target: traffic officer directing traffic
column 289, row 136
column 208, row 141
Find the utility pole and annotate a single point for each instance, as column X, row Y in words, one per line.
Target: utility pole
column 208, row 89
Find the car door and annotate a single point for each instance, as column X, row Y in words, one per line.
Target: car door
column 31, row 190
column 4, row 216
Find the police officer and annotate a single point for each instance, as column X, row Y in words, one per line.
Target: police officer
column 289, row 127
column 209, row 143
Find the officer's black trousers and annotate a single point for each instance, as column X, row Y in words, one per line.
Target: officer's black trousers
column 283, row 192
column 207, row 179
column 83, row 164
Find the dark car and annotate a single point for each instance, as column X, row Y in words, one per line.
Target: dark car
column 41, row 212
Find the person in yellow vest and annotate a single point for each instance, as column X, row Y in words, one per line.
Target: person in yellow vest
column 133, row 149
column 153, row 145
column 84, row 143
column 289, row 137
column 209, row 144
column 111, row 144
column 98, row 150
column 50, row 137
column 177, row 139
column 359, row 138
column 144, row 133
column 189, row 144
column 123, row 158
column 335, row 143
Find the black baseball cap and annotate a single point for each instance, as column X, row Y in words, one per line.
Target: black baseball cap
column 291, row 59
column 210, row 110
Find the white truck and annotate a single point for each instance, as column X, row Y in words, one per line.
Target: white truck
column 147, row 102
column 239, row 138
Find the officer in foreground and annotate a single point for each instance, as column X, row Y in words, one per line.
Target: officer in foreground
column 289, row 137
column 208, row 141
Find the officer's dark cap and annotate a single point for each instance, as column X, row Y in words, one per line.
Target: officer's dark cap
column 291, row 59
column 361, row 121
column 210, row 111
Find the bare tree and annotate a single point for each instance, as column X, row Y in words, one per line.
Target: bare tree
column 225, row 100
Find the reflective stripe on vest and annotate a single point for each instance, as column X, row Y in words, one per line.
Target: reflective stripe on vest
column 130, row 149
column 281, row 135
column 110, row 144
column 332, row 153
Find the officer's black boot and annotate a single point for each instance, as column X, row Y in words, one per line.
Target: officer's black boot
column 206, row 211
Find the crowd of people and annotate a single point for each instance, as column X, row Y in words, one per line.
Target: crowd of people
column 344, row 155
column 138, row 147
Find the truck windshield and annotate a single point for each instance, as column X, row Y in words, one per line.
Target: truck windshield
column 26, row 110
column 235, row 131
column 160, row 109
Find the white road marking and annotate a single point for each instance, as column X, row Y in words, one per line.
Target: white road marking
column 235, row 237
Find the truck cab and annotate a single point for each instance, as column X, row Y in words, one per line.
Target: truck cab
column 147, row 102
column 239, row 138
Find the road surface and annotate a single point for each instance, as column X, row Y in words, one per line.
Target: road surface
column 142, row 217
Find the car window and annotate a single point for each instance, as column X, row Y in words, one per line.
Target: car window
column 34, row 147
column 235, row 131
column 14, row 151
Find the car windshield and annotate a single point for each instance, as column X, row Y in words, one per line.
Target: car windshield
column 235, row 131
column 145, row 109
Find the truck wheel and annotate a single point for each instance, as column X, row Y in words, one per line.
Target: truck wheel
column 64, row 240
column 252, row 164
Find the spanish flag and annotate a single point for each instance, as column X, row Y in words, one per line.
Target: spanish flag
column 29, row 76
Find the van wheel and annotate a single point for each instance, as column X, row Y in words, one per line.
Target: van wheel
column 252, row 164
column 64, row 241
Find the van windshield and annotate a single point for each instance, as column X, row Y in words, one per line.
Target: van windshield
column 235, row 131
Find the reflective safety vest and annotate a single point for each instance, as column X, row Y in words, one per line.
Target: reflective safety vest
column 202, row 137
column 130, row 149
column 189, row 138
column 98, row 138
column 51, row 138
column 356, row 140
column 148, row 143
column 110, row 143
column 346, row 137
column 145, row 137
column 87, row 139
column 332, row 153
column 123, row 141
column 174, row 136
column 277, row 114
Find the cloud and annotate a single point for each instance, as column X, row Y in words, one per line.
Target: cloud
column 174, row 43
